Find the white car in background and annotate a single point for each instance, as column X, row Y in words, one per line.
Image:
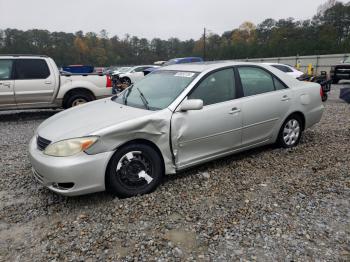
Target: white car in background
column 289, row 70
column 121, row 70
column 134, row 74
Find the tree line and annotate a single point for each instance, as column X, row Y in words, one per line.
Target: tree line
column 327, row 32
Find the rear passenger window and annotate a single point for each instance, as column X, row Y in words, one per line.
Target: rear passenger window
column 278, row 84
column 5, row 69
column 31, row 69
column 255, row 81
column 283, row 68
column 215, row 88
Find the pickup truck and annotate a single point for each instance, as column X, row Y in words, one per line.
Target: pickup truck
column 34, row 81
column 340, row 71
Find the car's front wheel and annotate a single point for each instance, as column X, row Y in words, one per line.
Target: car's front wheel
column 135, row 169
column 126, row 81
column 290, row 132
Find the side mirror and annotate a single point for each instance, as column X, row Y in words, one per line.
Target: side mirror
column 191, row 104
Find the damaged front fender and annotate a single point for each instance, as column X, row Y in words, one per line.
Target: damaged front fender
column 154, row 128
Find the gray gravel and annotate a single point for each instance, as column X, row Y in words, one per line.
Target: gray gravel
column 265, row 204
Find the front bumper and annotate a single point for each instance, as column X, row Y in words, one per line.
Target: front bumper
column 82, row 173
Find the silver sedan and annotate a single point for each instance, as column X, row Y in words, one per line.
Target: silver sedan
column 177, row 117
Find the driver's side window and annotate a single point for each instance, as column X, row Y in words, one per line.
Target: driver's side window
column 216, row 88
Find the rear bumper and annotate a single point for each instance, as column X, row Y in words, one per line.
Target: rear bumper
column 83, row 173
column 314, row 116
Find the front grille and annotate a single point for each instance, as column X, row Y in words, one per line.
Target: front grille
column 42, row 143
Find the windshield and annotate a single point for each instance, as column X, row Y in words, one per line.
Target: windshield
column 156, row 91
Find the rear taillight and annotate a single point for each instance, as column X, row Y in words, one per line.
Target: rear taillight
column 109, row 82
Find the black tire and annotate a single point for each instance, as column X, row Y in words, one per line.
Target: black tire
column 123, row 172
column 293, row 141
column 126, row 81
column 324, row 97
column 77, row 98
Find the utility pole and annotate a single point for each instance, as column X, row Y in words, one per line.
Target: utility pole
column 204, row 44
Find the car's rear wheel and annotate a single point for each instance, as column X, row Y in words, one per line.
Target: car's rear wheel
column 290, row 132
column 135, row 169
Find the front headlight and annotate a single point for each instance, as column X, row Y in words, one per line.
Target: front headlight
column 70, row 147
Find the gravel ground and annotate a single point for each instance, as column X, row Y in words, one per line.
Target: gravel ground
column 265, row 204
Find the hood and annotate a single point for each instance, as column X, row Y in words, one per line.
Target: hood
column 85, row 119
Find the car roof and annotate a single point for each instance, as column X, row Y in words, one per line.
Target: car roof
column 204, row 66
column 270, row 63
column 23, row 55
column 276, row 64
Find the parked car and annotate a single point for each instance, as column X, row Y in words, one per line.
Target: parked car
column 121, row 70
column 134, row 74
column 183, row 60
column 177, row 117
column 110, row 70
column 289, row 70
column 28, row 82
column 340, row 71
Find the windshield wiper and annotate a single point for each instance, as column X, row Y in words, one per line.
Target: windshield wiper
column 143, row 98
column 126, row 94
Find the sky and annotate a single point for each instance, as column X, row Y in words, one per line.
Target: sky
column 184, row 19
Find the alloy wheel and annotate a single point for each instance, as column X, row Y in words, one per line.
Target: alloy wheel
column 291, row 132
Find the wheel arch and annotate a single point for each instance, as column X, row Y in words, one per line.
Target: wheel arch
column 294, row 113
column 140, row 141
column 302, row 117
column 126, row 77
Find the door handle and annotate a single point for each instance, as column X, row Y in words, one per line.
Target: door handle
column 48, row 82
column 234, row 110
column 285, row 98
column 5, row 84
